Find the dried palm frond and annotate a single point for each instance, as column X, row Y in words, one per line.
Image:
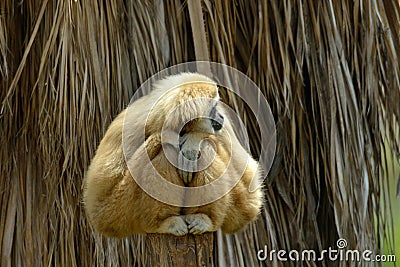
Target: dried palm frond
column 329, row 69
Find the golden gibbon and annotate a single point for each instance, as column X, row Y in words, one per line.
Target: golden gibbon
column 117, row 206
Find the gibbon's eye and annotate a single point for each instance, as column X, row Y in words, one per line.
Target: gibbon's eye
column 217, row 120
column 216, row 125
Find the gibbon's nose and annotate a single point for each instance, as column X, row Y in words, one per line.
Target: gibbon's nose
column 189, row 146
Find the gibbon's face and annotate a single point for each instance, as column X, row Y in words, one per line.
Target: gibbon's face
column 191, row 145
column 200, row 117
column 208, row 124
column 195, row 117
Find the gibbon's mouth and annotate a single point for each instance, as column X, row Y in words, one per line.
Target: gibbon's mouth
column 191, row 155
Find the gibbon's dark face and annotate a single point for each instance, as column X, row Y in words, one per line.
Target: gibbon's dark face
column 209, row 124
column 191, row 137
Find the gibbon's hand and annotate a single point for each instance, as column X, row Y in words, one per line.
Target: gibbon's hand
column 198, row 223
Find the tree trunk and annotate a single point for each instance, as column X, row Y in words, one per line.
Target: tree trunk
column 188, row 250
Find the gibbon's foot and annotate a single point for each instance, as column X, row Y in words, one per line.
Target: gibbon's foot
column 198, row 223
column 174, row 225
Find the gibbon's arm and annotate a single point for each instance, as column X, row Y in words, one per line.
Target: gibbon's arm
column 245, row 205
column 108, row 165
column 108, row 181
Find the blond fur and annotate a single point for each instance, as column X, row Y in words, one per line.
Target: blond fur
column 118, row 207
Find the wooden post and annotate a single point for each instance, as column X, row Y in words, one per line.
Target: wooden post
column 189, row 250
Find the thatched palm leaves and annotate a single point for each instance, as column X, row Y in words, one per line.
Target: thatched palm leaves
column 329, row 70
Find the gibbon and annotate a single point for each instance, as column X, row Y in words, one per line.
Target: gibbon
column 117, row 206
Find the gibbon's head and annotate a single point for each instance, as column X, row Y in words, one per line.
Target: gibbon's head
column 187, row 98
column 187, row 106
column 187, row 103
